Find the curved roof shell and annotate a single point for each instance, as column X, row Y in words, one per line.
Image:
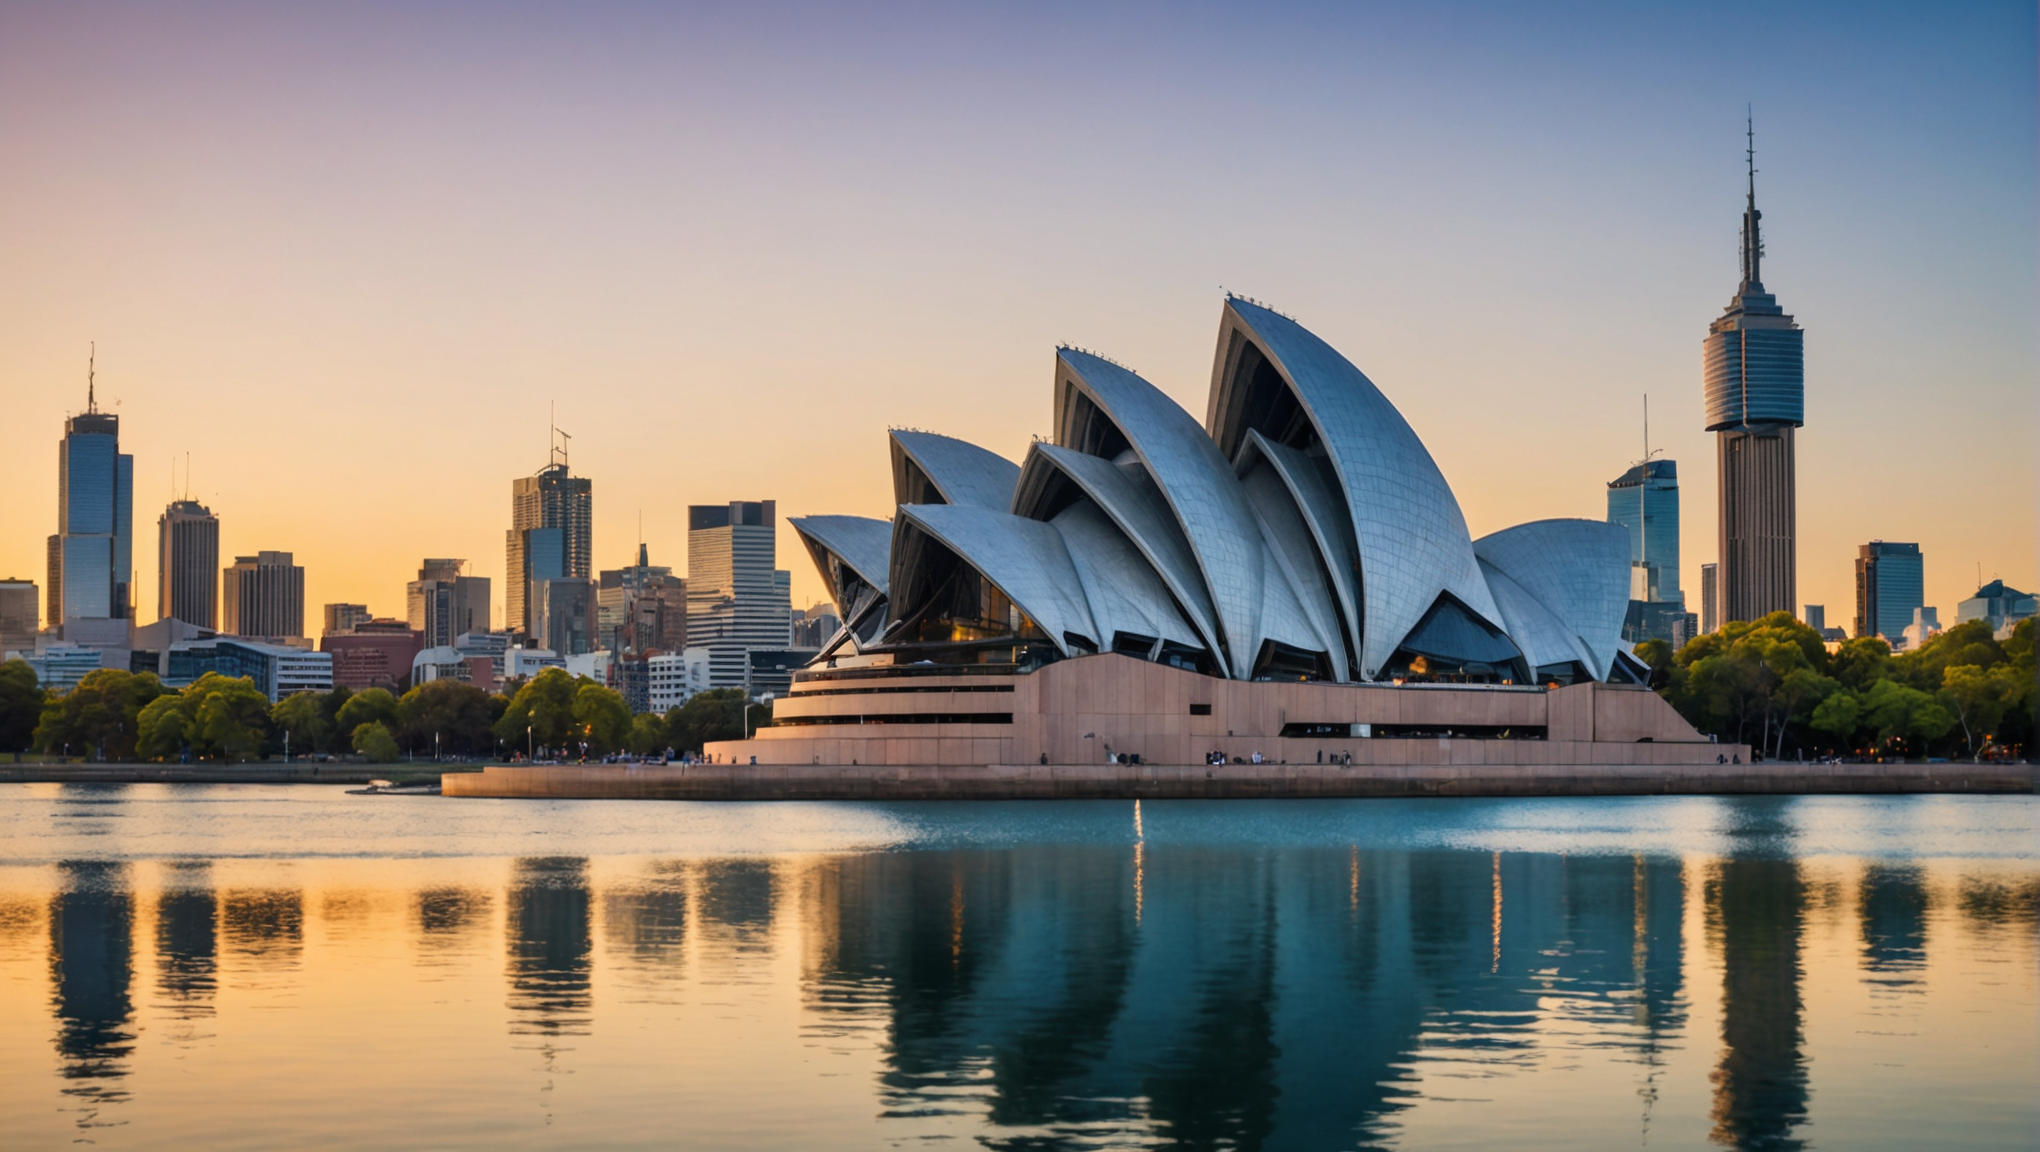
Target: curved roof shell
column 1273, row 375
column 1579, row 569
column 1120, row 586
column 1052, row 475
column 1105, row 410
column 1544, row 638
column 1323, row 513
column 929, row 468
column 1025, row 559
column 862, row 544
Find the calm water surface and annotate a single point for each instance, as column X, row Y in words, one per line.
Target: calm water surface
column 262, row 967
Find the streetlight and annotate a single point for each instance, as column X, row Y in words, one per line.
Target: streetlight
column 529, row 754
column 764, row 700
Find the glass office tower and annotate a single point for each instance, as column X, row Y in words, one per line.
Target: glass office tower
column 91, row 557
column 1645, row 500
column 1890, row 583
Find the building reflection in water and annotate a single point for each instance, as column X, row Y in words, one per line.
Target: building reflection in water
column 645, row 920
column 448, row 918
column 1755, row 905
column 187, row 940
column 91, row 919
column 264, row 927
column 549, row 944
column 1892, row 905
column 735, row 901
column 1249, row 999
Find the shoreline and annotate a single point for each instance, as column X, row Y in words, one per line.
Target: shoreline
column 746, row 782
column 222, row 773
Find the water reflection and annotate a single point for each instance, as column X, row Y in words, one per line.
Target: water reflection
column 549, row 945
column 1032, row 996
column 187, row 943
column 92, row 970
column 1892, row 903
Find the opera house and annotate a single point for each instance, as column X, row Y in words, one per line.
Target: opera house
column 1290, row 581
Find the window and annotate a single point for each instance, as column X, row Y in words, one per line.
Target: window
column 1200, row 709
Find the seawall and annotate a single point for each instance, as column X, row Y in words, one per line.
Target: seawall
column 217, row 773
column 1219, row 782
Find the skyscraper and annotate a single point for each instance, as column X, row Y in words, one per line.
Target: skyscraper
column 1890, row 583
column 91, row 557
column 441, row 604
column 735, row 602
column 17, row 616
column 264, row 596
column 550, row 537
column 188, row 564
column 642, row 608
column 1710, row 598
column 1645, row 499
column 1755, row 374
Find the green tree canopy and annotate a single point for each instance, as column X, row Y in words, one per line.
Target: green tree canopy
column 545, row 703
column 368, row 706
column 99, row 716
column 601, row 717
column 458, row 713
column 303, row 716
column 648, row 734
column 373, row 740
column 717, row 714
column 21, row 705
column 231, row 719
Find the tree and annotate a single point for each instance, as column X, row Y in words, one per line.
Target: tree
column 303, row 716
column 1752, row 681
column 1902, row 715
column 1839, row 715
column 545, row 703
column 601, row 718
column 338, row 736
column 99, row 716
column 21, row 705
column 231, row 718
column 369, row 706
column 648, row 734
column 162, row 727
column 717, row 714
column 373, row 740
column 1861, row 662
column 457, row 713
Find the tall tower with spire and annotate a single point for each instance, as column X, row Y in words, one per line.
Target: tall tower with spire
column 1754, row 364
column 91, row 562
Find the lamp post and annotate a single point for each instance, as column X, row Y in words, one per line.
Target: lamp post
column 529, row 754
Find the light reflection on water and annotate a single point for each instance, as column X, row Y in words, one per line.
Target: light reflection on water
column 257, row 967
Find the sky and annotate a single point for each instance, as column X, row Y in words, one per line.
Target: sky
column 349, row 257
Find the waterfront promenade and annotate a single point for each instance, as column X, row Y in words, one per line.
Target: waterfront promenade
column 1220, row 781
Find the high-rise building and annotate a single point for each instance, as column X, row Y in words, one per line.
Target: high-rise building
column 91, row 557
column 17, row 616
column 563, row 615
column 642, row 608
column 1756, row 384
column 188, row 564
column 1710, row 598
column 1890, row 583
column 1645, row 499
column 735, row 599
column 344, row 617
column 1815, row 617
column 550, row 537
column 441, row 603
column 264, row 595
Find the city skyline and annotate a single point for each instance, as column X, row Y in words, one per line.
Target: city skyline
column 752, row 372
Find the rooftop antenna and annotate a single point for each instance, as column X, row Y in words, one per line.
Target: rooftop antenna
column 91, row 378
column 1753, row 242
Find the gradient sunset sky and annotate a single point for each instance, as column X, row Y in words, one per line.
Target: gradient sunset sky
column 345, row 256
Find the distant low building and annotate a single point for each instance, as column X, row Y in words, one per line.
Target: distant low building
column 19, row 612
column 373, row 654
column 485, row 645
column 672, row 678
column 1997, row 603
column 1814, row 616
column 524, row 663
column 184, row 662
column 770, row 670
column 449, row 663
column 343, row 617
column 1926, row 624
column 61, row 666
column 278, row 670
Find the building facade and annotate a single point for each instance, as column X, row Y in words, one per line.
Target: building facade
column 641, row 608
column 373, row 654
column 672, row 678
column 264, row 595
column 1710, row 598
column 343, row 617
column 1645, row 500
column 442, row 603
column 19, row 610
column 1754, row 367
column 550, row 537
column 736, row 600
column 91, row 557
column 1997, row 603
column 188, row 564
column 1890, row 584
column 278, row 671
column 563, row 615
